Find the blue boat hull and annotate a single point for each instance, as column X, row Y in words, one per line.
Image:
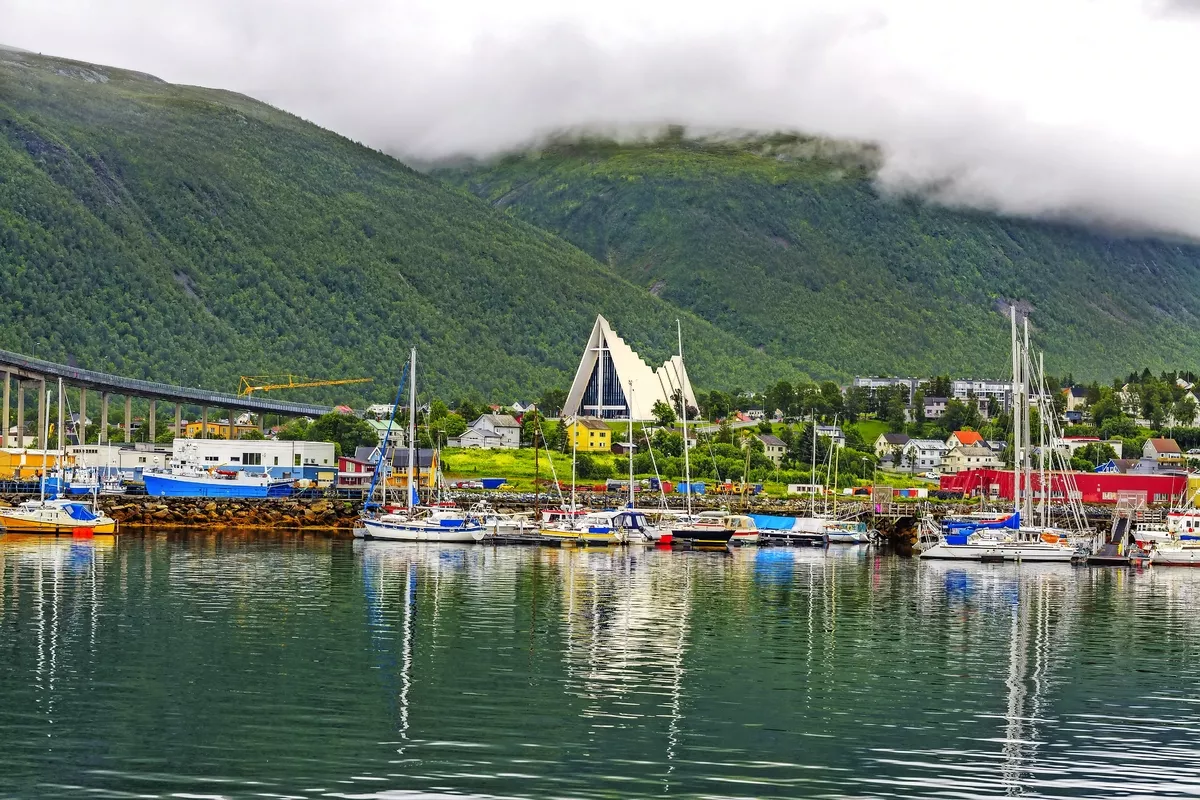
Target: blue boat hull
column 165, row 486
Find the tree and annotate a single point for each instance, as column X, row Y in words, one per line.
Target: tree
column 346, row 431
column 294, row 431
column 664, row 415
column 552, row 402
column 1106, row 408
column 918, row 405
column 781, row 396
column 467, row 410
column 252, row 434
column 437, row 411
column 765, row 427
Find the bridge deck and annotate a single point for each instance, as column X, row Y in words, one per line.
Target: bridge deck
column 26, row 367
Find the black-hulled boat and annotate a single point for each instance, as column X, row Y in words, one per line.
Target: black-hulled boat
column 709, row 529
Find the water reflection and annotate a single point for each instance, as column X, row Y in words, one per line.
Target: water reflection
column 242, row 666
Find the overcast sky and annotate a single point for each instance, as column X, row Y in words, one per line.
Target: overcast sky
column 1085, row 108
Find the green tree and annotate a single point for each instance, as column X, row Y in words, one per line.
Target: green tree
column 253, row 434
column 346, row 431
column 664, row 415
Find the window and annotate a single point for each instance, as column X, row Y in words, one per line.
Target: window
column 141, row 459
column 297, row 460
column 252, row 459
column 211, row 458
column 235, row 458
column 277, row 461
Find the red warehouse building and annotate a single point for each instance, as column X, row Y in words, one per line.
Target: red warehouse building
column 1090, row 487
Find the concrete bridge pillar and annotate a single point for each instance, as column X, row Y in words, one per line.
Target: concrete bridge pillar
column 204, row 422
column 153, row 421
column 178, row 420
column 128, row 419
column 42, row 411
column 81, row 429
column 7, row 418
column 103, row 418
column 229, row 416
column 20, row 414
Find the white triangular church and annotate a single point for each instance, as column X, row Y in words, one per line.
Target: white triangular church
column 613, row 382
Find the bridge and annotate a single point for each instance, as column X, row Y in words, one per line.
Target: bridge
column 25, row 374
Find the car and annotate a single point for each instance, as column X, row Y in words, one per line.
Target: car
column 933, row 476
column 1195, row 451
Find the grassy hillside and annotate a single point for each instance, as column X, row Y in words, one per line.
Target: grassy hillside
column 192, row 235
column 787, row 244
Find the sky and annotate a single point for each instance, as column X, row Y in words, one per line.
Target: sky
column 1077, row 109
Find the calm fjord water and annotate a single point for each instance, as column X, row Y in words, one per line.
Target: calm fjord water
column 208, row 666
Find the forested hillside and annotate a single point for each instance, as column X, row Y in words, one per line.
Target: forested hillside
column 787, row 244
column 186, row 234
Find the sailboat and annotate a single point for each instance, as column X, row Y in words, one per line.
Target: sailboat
column 56, row 515
column 697, row 531
column 1011, row 537
column 578, row 526
column 412, row 524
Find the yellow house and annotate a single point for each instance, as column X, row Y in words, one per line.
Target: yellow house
column 193, row 430
column 589, row 435
column 425, row 470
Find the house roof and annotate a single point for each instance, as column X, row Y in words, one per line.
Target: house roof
column 832, row 430
column 929, row 400
column 591, row 423
column 366, row 454
column 498, row 420
column 771, row 441
column 973, row 450
column 968, row 437
column 1164, row 446
column 1076, row 391
column 895, row 438
column 424, row 458
column 927, row 444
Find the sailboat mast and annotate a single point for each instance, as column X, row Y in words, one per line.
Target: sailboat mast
column 1028, row 461
column 1016, row 413
column 629, row 452
column 45, row 437
column 412, row 428
column 1042, row 412
column 687, row 466
column 537, row 497
column 574, row 451
column 812, row 476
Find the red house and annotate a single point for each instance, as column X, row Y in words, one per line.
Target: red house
column 1090, row 487
column 354, row 473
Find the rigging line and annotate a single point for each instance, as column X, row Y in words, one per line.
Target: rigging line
column 387, row 440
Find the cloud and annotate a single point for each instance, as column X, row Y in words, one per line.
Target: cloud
column 1078, row 108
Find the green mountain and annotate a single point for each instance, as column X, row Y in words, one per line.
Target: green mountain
column 787, row 244
column 185, row 234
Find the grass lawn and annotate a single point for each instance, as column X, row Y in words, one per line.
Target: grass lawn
column 869, row 430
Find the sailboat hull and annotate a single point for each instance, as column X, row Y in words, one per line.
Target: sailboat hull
column 418, row 532
column 999, row 551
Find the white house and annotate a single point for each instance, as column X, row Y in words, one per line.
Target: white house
column 934, row 407
column 974, row 456
column 832, row 432
column 491, row 432
column 923, row 454
column 397, row 436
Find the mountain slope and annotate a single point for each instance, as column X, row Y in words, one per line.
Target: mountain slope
column 187, row 234
column 787, row 244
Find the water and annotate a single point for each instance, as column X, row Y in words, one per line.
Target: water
column 270, row 667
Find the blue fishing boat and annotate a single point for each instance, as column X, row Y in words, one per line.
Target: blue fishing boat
column 184, row 480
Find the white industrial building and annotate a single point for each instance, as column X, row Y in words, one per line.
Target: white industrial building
column 312, row 460
column 613, row 382
column 128, row 459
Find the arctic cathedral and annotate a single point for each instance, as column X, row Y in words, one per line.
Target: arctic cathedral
column 613, row 382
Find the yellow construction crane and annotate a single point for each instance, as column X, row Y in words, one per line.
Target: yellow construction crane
column 250, row 384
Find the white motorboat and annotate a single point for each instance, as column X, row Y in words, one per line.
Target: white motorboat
column 847, row 532
column 1182, row 552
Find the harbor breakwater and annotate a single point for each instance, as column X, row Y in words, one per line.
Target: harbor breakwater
column 335, row 516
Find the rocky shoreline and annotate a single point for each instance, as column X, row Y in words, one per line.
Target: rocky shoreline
column 321, row 514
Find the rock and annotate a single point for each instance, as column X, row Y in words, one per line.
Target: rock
column 210, row 506
column 320, row 506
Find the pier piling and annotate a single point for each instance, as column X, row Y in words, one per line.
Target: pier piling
column 7, row 417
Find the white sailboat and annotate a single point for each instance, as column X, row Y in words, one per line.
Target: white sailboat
column 1007, row 539
column 413, row 524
